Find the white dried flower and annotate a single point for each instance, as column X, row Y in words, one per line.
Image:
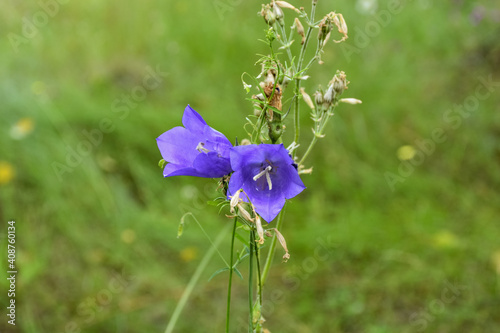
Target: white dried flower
column 284, row 4
column 307, row 98
column 351, row 101
column 260, row 230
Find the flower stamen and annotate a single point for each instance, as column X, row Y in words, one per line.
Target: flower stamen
column 201, row 148
column 268, row 177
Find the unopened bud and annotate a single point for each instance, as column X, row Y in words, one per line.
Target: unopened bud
column 244, row 213
column 245, row 142
column 284, row 4
column 278, row 13
column 300, row 30
column 260, row 230
column 260, row 97
column 307, row 98
column 305, row 171
column 339, row 82
column 351, row 101
column 267, row 14
column 235, row 200
column 329, row 95
column 318, row 97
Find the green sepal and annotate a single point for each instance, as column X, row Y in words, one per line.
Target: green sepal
column 162, row 163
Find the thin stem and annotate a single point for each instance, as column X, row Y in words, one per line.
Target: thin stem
column 318, row 50
column 259, row 281
column 250, row 283
column 272, row 249
column 299, row 68
column 194, row 279
column 209, row 239
column 285, row 43
column 231, row 268
column 316, row 136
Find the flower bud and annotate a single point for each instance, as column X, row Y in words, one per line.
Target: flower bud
column 235, row 200
column 245, row 142
column 351, row 101
column 318, row 97
column 268, row 14
column 284, row 4
column 260, row 230
column 329, row 95
column 339, row 82
column 300, row 30
column 244, row 213
column 278, row 13
column 307, row 98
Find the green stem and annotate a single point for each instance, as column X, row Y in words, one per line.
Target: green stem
column 192, row 283
column 250, row 284
column 230, row 277
column 285, row 42
column 299, row 68
column 259, row 280
column 272, row 249
column 316, row 136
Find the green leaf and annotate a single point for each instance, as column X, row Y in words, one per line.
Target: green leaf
column 218, row 272
column 213, row 202
column 162, row 163
column 238, row 273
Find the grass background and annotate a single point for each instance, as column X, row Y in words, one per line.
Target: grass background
column 96, row 246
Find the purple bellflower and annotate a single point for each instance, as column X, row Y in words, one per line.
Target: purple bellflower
column 195, row 149
column 267, row 174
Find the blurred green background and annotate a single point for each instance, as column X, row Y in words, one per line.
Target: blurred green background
column 96, row 240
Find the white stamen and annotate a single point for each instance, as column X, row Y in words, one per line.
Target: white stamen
column 268, row 177
column 201, row 148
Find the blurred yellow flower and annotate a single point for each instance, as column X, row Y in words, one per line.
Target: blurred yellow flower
column 189, row 254
column 128, row 236
column 446, row 239
column 406, row 153
column 22, row 128
column 6, row 172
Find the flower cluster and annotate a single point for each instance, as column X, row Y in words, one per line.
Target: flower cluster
column 266, row 173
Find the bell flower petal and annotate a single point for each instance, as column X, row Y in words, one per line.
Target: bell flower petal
column 267, row 174
column 195, row 149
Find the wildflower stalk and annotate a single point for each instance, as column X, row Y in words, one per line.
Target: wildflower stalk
column 258, row 302
column 319, row 133
column 272, row 249
column 259, row 282
column 250, row 284
column 231, row 268
column 194, row 280
column 299, row 68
